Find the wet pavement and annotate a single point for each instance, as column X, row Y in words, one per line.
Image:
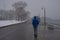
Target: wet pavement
column 24, row 31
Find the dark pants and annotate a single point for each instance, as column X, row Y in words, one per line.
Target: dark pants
column 35, row 33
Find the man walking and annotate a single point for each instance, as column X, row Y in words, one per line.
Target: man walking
column 35, row 23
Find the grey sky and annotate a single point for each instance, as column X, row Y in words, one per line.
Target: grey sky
column 34, row 6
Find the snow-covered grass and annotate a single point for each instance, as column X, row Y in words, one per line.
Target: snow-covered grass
column 9, row 22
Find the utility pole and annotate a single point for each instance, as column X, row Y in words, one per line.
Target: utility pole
column 44, row 19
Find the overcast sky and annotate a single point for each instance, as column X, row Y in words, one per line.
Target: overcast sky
column 52, row 7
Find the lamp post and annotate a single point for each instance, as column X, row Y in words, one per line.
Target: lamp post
column 44, row 22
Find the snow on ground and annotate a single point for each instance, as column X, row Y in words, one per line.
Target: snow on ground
column 9, row 22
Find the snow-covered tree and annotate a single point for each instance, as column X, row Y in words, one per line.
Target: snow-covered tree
column 21, row 13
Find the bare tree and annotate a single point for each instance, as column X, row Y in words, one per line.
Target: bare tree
column 20, row 10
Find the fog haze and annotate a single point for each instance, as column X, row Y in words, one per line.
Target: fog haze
column 52, row 7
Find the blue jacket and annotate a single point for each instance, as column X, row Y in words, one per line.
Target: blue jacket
column 35, row 22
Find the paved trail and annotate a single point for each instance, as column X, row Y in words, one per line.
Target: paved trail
column 24, row 31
